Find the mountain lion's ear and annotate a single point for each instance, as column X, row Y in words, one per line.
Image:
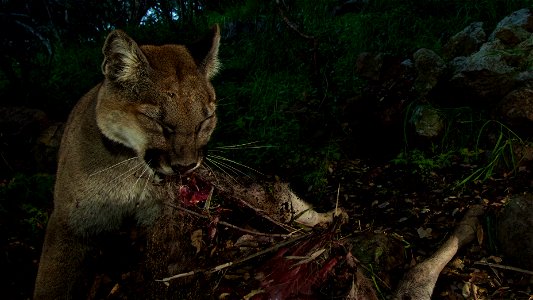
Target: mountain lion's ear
column 124, row 61
column 205, row 52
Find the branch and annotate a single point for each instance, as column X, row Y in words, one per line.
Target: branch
column 232, row 263
column 231, row 225
column 294, row 27
column 503, row 267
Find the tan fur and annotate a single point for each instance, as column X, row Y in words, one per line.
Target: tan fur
column 149, row 118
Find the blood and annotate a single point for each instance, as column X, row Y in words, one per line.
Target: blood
column 194, row 191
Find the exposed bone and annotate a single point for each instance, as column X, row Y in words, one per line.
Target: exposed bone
column 419, row 282
column 273, row 201
column 276, row 202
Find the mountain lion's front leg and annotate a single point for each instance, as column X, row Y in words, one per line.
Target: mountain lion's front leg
column 62, row 264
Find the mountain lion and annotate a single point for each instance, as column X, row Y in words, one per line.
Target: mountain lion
column 150, row 118
column 125, row 146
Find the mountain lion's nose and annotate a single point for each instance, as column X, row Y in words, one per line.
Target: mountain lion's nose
column 184, row 169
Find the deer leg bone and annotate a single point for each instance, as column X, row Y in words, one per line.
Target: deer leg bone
column 419, row 282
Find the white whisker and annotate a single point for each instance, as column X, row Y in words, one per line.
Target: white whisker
column 146, row 183
column 229, row 167
column 211, row 170
column 235, row 162
column 113, row 166
column 119, row 179
column 146, row 168
column 221, row 169
column 131, row 171
column 241, row 146
column 230, row 148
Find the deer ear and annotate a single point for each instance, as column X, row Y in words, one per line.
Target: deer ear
column 124, row 61
column 205, row 52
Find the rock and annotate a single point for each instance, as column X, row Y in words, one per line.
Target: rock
column 378, row 249
column 427, row 121
column 523, row 59
column 484, row 74
column 523, row 153
column 514, row 232
column 430, row 67
column 485, row 71
column 465, row 42
column 383, row 68
column 514, row 28
column 500, row 65
column 517, row 106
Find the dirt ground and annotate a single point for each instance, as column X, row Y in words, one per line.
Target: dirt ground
column 398, row 216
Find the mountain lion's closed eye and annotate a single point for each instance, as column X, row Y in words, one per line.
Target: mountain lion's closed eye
column 151, row 117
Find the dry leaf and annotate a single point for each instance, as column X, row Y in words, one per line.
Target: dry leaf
column 457, row 263
column 466, row 290
column 479, row 234
column 196, row 239
column 495, row 259
column 424, row 233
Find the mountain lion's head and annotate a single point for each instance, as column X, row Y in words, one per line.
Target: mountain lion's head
column 158, row 100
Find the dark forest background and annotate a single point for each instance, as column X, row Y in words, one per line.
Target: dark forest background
column 288, row 74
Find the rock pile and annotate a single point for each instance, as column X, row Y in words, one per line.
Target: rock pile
column 489, row 72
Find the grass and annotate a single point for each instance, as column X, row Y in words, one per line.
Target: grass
column 493, row 150
column 259, row 109
column 274, row 83
column 501, row 156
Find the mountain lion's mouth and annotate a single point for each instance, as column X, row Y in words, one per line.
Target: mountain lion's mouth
column 194, row 190
column 191, row 189
column 159, row 161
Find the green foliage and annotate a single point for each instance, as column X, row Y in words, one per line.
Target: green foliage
column 468, row 138
column 287, row 65
column 275, row 78
column 501, row 156
column 423, row 163
column 319, row 165
column 24, row 203
column 259, row 110
column 82, row 68
column 460, row 129
column 460, row 125
column 239, row 10
column 493, row 150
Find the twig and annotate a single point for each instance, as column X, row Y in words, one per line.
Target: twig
column 291, row 24
column 231, row 225
column 294, row 27
column 257, row 232
column 265, row 216
column 232, row 263
column 306, row 259
column 312, row 38
column 337, row 202
column 208, row 201
column 503, row 267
